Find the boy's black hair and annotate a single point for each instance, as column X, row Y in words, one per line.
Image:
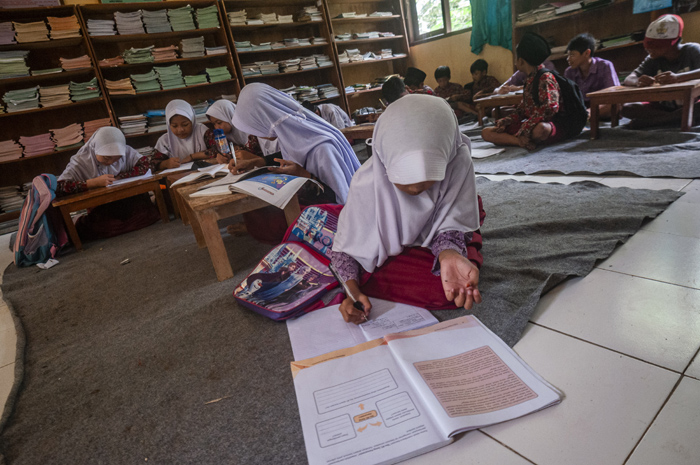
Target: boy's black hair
column 581, row 43
column 414, row 77
column 479, row 65
column 533, row 48
column 443, row 71
column 309, row 106
column 392, row 89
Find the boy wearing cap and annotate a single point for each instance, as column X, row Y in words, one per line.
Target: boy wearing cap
column 415, row 82
column 669, row 61
column 530, row 124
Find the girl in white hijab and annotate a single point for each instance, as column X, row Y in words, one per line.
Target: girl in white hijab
column 418, row 191
column 186, row 139
column 220, row 113
column 309, row 145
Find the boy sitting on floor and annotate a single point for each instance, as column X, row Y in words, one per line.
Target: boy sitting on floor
column 588, row 72
column 668, row 62
column 450, row 91
column 415, row 82
column 482, row 84
column 531, row 124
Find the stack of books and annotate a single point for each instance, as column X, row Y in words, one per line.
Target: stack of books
column 208, row 17
column 387, row 34
column 349, row 14
column 343, row 57
column 342, row 37
column 544, row 11
column 164, row 53
column 7, row 34
column 237, row 18
column 290, row 65
column 323, row 60
column 218, row 74
column 243, row 46
column 134, row 124
column 381, row 14
column 37, row 145
column 268, row 67
column 129, row 23
column 304, row 42
column 200, row 111
column 21, row 99
column 253, row 69
column 386, row 53
column 146, row 82
column 70, row 64
column 267, row 18
column 156, row 21
column 51, row 96
column 181, row 18
column 13, row 63
column 191, row 48
column 69, row 137
column 568, row 8
column 10, row 150
column 366, row 35
column 170, row 77
column 309, row 13
column 285, row 19
column 10, row 197
column 31, row 32
column 138, row 55
column 80, row 91
column 146, row 151
column 120, row 87
column 64, row 28
column 326, row 91
column 41, row 72
column 106, row 62
column 89, row 127
column 261, row 46
column 219, row 50
column 318, row 40
column 195, row 79
column 101, row 27
column 156, row 121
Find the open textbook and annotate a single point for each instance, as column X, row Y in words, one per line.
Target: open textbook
column 182, row 167
column 275, row 189
column 210, row 171
column 324, row 330
column 408, row 393
column 120, row 182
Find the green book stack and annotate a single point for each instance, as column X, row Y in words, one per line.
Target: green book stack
column 138, row 55
column 147, row 82
column 21, row 99
column 195, row 79
column 13, row 64
column 207, row 17
column 80, row 91
column 170, row 77
column 41, row 72
column 181, row 18
column 218, row 74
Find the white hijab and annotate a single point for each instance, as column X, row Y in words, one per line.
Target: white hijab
column 304, row 137
column 223, row 110
column 417, row 139
column 171, row 145
column 108, row 142
column 335, row 115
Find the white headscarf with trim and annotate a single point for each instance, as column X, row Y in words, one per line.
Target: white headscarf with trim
column 224, row 110
column 171, row 145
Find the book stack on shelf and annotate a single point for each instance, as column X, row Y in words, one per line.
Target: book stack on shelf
column 10, row 150
column 31, row 32
column 13, row 63
column 64, row 28
column 156, row 21
column 7, row 33
column 68, row 137
column 102, row 27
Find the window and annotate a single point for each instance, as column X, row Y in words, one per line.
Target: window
column 432, row 18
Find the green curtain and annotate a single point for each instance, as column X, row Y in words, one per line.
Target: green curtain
column 491, row 24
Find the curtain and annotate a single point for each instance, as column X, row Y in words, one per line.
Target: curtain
column 491, row 24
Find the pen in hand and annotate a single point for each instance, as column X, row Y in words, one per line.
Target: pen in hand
column 356, row 304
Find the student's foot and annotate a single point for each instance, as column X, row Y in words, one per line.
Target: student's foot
column 237, row 230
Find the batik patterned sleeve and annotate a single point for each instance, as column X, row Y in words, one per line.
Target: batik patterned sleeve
column 348, row 268
column 156, row 159
column 140, row 168
column 70, row 187
column 548, row 92
column 210, row 142
column 253, row 146
column 449, row 240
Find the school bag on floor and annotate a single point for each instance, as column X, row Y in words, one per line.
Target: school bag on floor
column 572, row 115
column 294, row 277
column 41, row 233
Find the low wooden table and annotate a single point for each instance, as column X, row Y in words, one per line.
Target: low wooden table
column 688, row 92
column 496, row 101
column 205, row 212
column 100, row 196
column 178, row 204
column 362, row 131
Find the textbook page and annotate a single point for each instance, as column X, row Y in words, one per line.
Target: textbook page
column 324, row 330
column 468, row 377
column 360, row 409
column 275, row 189
column 211, row 172
column 182, row 167
column 120, row 182
column 231, row 178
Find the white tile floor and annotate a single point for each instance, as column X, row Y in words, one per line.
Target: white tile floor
column 622, row 343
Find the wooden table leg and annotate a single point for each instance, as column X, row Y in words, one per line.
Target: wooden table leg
column 180, row 201
column 194, row 222
column 688, row 105
column 292, row 210
column 70, row 226
column 615, row 114
column 482, row 113
column 161, row 205
column 215, row 244
column 595, row 119
column 496, row 113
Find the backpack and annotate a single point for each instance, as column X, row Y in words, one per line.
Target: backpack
column 294, row 277
column 572, row 115
column 41, row 233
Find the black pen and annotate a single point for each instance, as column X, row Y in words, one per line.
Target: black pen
column 358, row 305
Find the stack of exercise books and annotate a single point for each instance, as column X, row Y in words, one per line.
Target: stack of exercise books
column 41, row 72
column 285, row 19
column 309, row 13
column 146, row 82
column 139, row 55
column 308, row 62
column 268, row 67
column 13, row 63
column 7, row 33
column 193, row 47
column 343, row 37
column 195, row 79
column 290, row 65
column 134, row 124
column 64, row 28
column 291, row 42
column 366, row 35
column 37, row 145
column 219, row 50
column 181, row 18
column 261, row 46
column 120, row 87
column 207, row 17
column 69, row 137
column 318, row 40
column 322, row 60
column 10, row 198
column 146, row 151
column 386, row 53
column 218, row 74
column 387, row 34
column 10, row 150
column 305, row 42
column 70, row 64
column 326, row 91
column 129, row 23
column 164, row 53
column 89, row 127
column 253, row 69
column 350, row 14
column 544, row 11
column 31, row 32
column 267, row 18
column 381, row 14
column 156, row 21
column 80, row 91
column 106, row 62
column 21, row 99
column 200, row 111
column 237, row 18
column 101, row 27
column 307, row 94
column 170, row 77
column 243, row 46
column 51, row 96
column 156, row 121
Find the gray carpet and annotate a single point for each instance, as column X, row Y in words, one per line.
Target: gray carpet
column 619, row 151
column 121, row 360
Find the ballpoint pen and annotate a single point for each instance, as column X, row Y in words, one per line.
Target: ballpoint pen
column 233, row 153
column 358, row 305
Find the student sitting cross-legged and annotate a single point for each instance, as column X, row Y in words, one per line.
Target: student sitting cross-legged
column 669, row 61
column 409, row 230
column 588, row 72
column 415, row 82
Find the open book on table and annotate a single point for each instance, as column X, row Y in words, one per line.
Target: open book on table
column 211, row 171
column 120, row 182
column 275, row 189
column 408, row 393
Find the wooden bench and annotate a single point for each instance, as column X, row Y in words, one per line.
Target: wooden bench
column 496, row 101
column 687, row 92
column 205, row 212
column 102, row 195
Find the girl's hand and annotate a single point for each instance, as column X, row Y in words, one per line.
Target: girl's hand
column 460, row 279
column 349, row 312
column 222, row 159
column 245, row 165
column 290, row 168
column 100, row 181
column 170, row 163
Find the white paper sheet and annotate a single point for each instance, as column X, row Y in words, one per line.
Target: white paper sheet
column 182, row 167
column 120, row 182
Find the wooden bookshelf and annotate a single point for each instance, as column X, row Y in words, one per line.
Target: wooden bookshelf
column 261, row 33
column 46, row 55
column 362, row 72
